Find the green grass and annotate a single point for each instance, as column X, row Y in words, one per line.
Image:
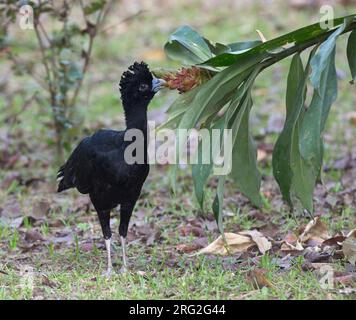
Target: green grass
column 198, row 280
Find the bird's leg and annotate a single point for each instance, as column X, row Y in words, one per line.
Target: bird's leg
column 108, row 251
column 125, row 215
column 104, row 217
column 123, row 245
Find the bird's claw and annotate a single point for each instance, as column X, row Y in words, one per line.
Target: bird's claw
column 123, row 270
column 108, row 273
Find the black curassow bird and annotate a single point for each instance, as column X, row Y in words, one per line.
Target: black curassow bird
column 97, row 165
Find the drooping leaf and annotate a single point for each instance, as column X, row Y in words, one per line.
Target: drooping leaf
column 179, row 107
column 244, row 153
column 313, row 122
column 241, row 92
column 188, row 46
column 307, row 147
column 321, row 59
column 218, row 205
column 201, row 171
column 296, row 86
column 303, row 182
column 213, row 94
column 351, row 53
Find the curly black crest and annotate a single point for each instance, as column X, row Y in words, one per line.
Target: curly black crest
column 138, row 72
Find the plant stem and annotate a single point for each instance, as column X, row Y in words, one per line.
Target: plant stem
column 101, row 16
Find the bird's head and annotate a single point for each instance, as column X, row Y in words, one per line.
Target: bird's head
column 138, row 85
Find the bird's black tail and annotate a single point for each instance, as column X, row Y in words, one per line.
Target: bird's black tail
column 64, row 178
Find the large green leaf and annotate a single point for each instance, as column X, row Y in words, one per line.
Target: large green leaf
column 188, row 46
column 200, row 171
column 306, row 143
column 302, row 182
column 272, row 46
column 244, row 155
column 321, row 59
column 295, row 97
column 351, row 53
column 310, row 132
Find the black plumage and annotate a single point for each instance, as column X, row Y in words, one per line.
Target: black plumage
column 97, row 165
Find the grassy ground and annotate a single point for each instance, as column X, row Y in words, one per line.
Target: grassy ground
column 57, row 251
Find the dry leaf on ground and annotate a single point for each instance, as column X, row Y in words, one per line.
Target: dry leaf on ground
column 258, row 278
column 314, row 234
column 315, row 230
column 237, row 242
column 349, row 247
column 291, row 243
column 262, row 243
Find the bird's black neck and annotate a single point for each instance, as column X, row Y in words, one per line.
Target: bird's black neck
column 136, row 117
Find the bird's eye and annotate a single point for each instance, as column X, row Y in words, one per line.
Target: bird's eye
column 143, row 87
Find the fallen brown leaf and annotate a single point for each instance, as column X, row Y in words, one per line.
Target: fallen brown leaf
column 319, row 265
column 47, row 282
column 334, row 241
column 257, row 277
column 33, row 236
column 314, row 255
column 11, row 208
column 189, row 229
column 315, row 230
column 186, row 248
column 294, row 246
column 346, row 280
column 40, row 209
column 262, row 243
column 349, row 247
column 10, row 178
column 235, row 242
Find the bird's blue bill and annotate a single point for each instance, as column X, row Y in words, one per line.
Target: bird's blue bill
column 156, row 84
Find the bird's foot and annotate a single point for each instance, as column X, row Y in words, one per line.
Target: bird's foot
column 108, row 273
column 123, row 270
